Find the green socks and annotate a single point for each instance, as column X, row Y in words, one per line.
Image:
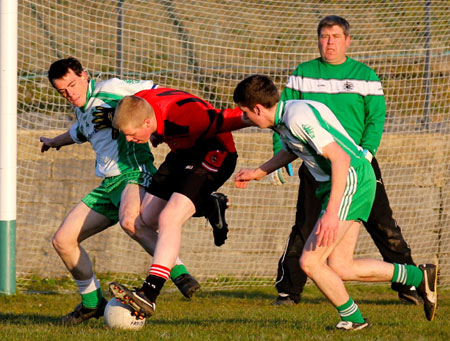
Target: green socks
column 90, row 291
column 178, row 270
column 409, row 275
column 92, row 299
column 350, row 312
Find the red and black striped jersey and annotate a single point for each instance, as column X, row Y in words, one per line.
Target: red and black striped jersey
column 186, row 122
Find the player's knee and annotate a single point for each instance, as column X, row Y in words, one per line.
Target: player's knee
column 62, row 243
column 308, row 264
column 55, row 242
column 128, row 225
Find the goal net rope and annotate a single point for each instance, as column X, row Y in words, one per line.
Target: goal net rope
column 206, row 48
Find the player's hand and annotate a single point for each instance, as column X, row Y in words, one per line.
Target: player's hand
column 103, row 118
column 47, row 143
column 244, row 176
column 279, row 177
column 327, row 229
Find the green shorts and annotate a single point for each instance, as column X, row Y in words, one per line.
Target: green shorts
column 105, row 199
column 358, row 195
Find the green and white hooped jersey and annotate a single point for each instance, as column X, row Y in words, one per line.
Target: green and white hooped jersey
column 113, row 157
column 306, row 127
column 351, row 90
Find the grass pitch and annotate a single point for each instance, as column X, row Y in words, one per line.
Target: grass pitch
column 244, row 314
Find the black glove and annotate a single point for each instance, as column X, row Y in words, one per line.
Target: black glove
column 103, row 118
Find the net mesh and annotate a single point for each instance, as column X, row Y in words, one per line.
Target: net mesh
column 206, row 47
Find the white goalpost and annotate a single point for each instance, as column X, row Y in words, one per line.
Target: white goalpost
column 8, row 144
column 206, row 47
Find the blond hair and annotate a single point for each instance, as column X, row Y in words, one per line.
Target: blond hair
column 132, row 111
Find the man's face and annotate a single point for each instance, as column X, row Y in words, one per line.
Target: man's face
column 333, row 44
column 255, row 115
column 73, row 87
column 137, row 134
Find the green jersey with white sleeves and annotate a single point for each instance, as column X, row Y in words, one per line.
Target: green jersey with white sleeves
column 113, row 156
column 305, row 127
column 351, row 90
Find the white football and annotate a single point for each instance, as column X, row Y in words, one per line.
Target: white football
column 120, row 316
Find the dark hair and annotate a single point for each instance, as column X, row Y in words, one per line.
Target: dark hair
column 256, row 89
column 332, row 20
column 59, row 68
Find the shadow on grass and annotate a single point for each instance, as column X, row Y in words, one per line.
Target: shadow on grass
column 306, row 299
column 244, row 294
column 208, row 322
column 21, row 319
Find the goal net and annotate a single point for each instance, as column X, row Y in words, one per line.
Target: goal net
column 206, row 47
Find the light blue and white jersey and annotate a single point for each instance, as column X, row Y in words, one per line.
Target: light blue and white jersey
column 306, row 127
column 113, row 157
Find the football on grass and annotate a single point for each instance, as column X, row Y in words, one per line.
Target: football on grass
column 120, row 316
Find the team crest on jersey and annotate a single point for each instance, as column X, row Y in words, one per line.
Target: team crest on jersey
column 309, row 130
column 348, row 86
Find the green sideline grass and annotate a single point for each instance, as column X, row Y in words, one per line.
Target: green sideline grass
column 244, row 314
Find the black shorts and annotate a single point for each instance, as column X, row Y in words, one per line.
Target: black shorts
column 193, row 177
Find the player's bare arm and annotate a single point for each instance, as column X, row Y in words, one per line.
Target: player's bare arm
column 279, row 160
column 329, row 223
column 56, row 142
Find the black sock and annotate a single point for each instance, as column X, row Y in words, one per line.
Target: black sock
column 152, row 287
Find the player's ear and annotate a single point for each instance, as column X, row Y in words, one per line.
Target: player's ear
column 147, row 123
column 347, row 41
column 84, row 75
column 258, row 109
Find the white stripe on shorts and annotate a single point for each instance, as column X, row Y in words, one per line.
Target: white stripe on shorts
column 350, row 190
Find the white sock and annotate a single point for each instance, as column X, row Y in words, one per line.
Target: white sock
column 88, row 285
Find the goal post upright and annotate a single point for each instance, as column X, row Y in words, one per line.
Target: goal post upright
column 205, row 47
column 8, row 144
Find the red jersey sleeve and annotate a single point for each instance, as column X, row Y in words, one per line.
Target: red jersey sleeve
column 229, row 120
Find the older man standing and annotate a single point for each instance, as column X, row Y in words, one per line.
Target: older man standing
column 354, row 94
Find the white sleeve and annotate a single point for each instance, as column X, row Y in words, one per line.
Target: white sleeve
column 124, row 87
column 136, row 86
